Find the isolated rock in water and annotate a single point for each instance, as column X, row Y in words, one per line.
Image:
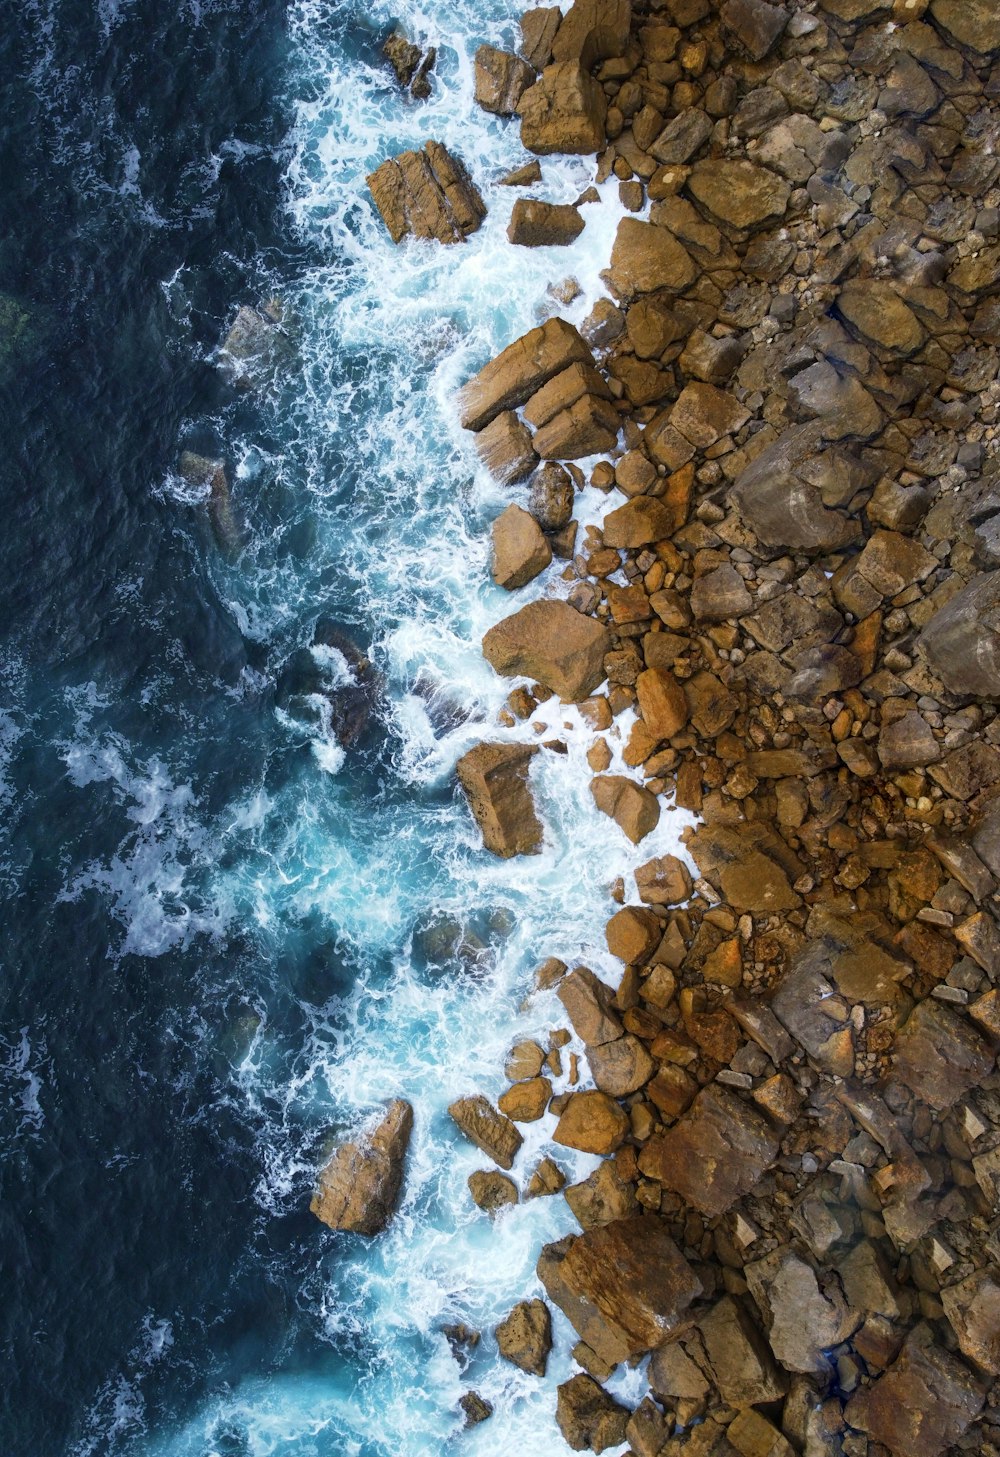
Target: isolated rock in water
column 564, row 111
column 354, row 695
column 519, row 371
column 495, row 780
column 535, row 224
column 359, row 1188
column 520, row 551
column 525, row 1337
column 475, row 1407
column 203, row 472
column 253, row 346
column 501, row 80
column 961, row 643
column 589, row 1419
column 428, row 194
column 550, row 641
column 592, row 31
column 492, row 1191
column 589, row 1003
column 410, row 64
column 489, row 1130
column 923, row 1404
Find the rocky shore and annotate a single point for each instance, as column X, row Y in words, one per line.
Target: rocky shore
column 790, row 395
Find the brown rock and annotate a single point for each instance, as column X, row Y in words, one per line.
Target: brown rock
column 639, row 522
column 752, row 1435
column 519, row 370
column 524, row 1060
column 592, row 1122
column 662, row 702
column 922, row 1405
column 492, row 1191
column 757, row 884
column 526, row 1102
column 635, row 809
column 646, row 258
column 664, row 881
column 588, row 1417
column 358, row 1189
column 973, row 1308
column 939, row 1055
column 563, row 391
column 704, row 414
column 720, row 595
column 648, row 1429
column 715, row 1154
column 602, row 1196
column 592, row 31
column 961, row 643
column 739, row 1358
column 876, row 311
column 487, row 1129
column 589, row 1004
column 973, row 23
column 907, row 743
column 589, row 427
column 564, row 111
column 620, row 1067
column 754, row 25
column 553, row 643
column 428, row 194
column 538, row 31
column 739, row 193
column 495, row 780
column 505, row 449
column 801, row 1320
column 501, row 80
column 548, row 1178
column 535, row 224
column 520, row 551
column 777, row 496
column 551, row 497
column 525, row 1337
column 633, row 934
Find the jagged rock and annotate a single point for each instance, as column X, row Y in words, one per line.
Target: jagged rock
column 520, row 551
column 589, row 1419
column 624, row 1286
column 548, row 1178
column 673, row 1374
column 645, row 258
column 720, row 595
column 973, row 1308
column 358, row 1190
column 525, row 1060
column 880, row 316
column 738, row 193
column 621, row 1067
column 777, row 498
column 592, row 31
column 475, row 1407
column 428, row 194
column 715, row 1154
column 538, row 31
column 564, row 111
column 939, row 1055
column 591, row 1122
column 682, row 137
column 489, row 1130
column 740, row 1361
column 410, row 64
column 253, row 346
column 519, row 371
column 495, row 780
column 589, row 1003
column 801, row 1320
column 754, row 25
column 535, row 224
column 552, row 642
column 492, row 1191
column 563, row 391
column 633, row 934
column 922, row 1405
column 662, row 702
column 525, row 1336
column 961, row 643
column 752, row 1435
column 633, row 807
column 602, row 1196
column 506, row 450
column 704, row 414
column 551, row 496
column 973, row 23
column 838, row 400
column 501, row 80
column 648, row 1429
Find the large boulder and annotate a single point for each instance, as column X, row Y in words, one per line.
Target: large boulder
column 428, row 194
column 537, row 224
column 633, row 807
column 973, row 23
column 961, row 643
column 495, row 780
column 520, row 550
column 489, row 1130
column 923, row 1404
column 646, row 258
column 739, row 194
column 519, row 370
column 565, row 111
column 501, row 80
column 715, row 1154
column 589, row 1419
column 550, row 641
column 525, row 1336
column 358, row 1189
column 779, row 499
column 592, row 31
column 639, row 522
column 591, row 1122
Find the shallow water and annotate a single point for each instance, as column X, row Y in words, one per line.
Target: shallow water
column 218, row 946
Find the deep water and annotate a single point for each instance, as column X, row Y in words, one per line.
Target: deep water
column 227, row 936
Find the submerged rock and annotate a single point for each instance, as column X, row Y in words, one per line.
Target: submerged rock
column 253, row 347
column 428, row 194
column 495, row 780
column 358, row 1190
column 206, row 473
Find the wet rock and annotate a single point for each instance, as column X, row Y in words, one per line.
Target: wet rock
column 591, row 1122
column 535, row 224
column 522, row 176
column 548, row 1178
column 254, row 345
column 633, row 807
column 524, row 1060
column 553, row 643
column 551, row 496
column 428, row 194
column 922, row 1405
column 648, row 1429
column 487, row 1129
column 208, row 474
column 646, row 258
column 476, row 1409
column 739, row 193
column 492, row 1191
column 564, row 111
column 739, row 1359
column 519, row 371
column 538, row 31
column 621, row 1067
column 589, row 1003
column 588, row 427
column 563, row 391
column 410, row 64
column 961, row 643
column 633, row 934
column 506, row 449
column 592, row 31
column 754, row 25
column 525, row 1336
column 495, row 780
column 589, row 1419
column 801, row 1320
column 358, row 1189
column 526, row 1102
column 973, row 1308
column 520, row 551
column 939, row 1055
column 501, row 80
column 715, row 1154
column 602, row 1196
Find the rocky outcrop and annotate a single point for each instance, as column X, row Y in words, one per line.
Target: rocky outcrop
column 411, row 66
column 519, row 371
column 427, row 194
column 358, row 1189
column 564, row 111
column 552, row 642
column 495, row 780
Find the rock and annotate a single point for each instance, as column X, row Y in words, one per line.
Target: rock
column 972, row 23
column 633, row 807
column 621, row 1067
column 253, row 346
column 526, row 1102
column 538, row 31
column 779, row 501
column 838, row 400
column 754, row 25
column 752, row 1435
column 548, row 1178
column 592, row 31
column 672, row 1374
column 564, row 111
column 648, row 1429
column 624, row 1286
column 410, row 64
column 495, row 780
column 738, row 193
column 589, row 1003
column 505, row 448
column 428, row 194
column 563, row 391
column 209, row 475
column 801, row 1320
column 602, row 1196
column 907, row 743
column 525, row 1336
column 588, row 427
column 520, row 551
column 523, row 176
column 682, row 137
column 640, row 522
column 662, row 703
column 633, row 934
column 973, row 1308
column 492, row 1191
column 487, row 1129
column 553, row 643
column 961, row 643
column 876, row 311
column 646, row 258
column 501, row 80
column 588, row 1417
column 715, row 1154
column 476, row 1409
column 358, row 1189
column 551, row 496
column 665, row 881
column 922, row 1405
column 704, row 414
column 519, row 371
column 591, row 1122
column 720, row 595
column 740, row 1361
column 535, row 224
column 525, row 1060
column 939, row 1055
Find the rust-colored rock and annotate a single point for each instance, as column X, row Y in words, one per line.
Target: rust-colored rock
column 564, row 111
column 487, row 1129
column 358, row 1190
column 662, row 702
column 923, row 1404
column 525, row 1336
column 428, row 194
column 552, row 642
column 495, row 780
column 592, row 1122
column 633, row 807
column 520, row 551
column 519, row 370
column 715, row 1154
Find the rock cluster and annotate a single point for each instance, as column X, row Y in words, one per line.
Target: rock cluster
column 792, row 391
column 427, row 194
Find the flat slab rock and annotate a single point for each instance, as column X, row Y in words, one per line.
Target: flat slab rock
column 713, row 1155
column 517, row 372
column 428, row 194
column 358, row 1189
